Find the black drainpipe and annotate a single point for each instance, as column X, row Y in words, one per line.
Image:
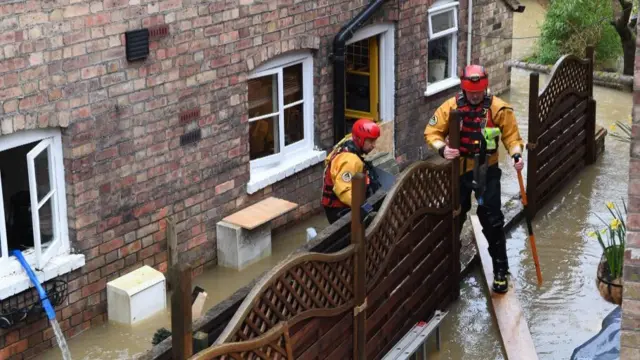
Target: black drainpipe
column 339, row 46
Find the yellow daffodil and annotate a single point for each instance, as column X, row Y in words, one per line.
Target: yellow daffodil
column 610, row 205
column 613, row 127
column 592, row 234
column 615, row 224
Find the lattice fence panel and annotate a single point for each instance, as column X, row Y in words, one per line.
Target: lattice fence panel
column 571, row 74
column 305, row 286
column 426, row 186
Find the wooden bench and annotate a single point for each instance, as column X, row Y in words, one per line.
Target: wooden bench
column 244, row 237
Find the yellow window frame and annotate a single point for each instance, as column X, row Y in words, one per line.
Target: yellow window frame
column 374, row 83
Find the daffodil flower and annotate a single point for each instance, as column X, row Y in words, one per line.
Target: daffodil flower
column 610, row 205
column 615, row 224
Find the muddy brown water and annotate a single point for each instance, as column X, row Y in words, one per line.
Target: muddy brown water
column 562, row 314
column 119, row 342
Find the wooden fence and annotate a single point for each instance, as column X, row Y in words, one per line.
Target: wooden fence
column 357, row 302
column 562, row 128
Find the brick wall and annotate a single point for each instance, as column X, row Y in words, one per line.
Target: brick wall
column 630, row 337
column 493, row 21
column 62, row 64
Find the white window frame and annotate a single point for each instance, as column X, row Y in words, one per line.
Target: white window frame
column 297, row 156
column 56, row 260
column 438, row 9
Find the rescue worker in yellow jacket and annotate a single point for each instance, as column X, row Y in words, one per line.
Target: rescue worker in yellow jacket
column 345, row 160
column 483, row 118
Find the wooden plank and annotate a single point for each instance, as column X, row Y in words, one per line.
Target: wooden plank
column 259, row 213
column 514, row 330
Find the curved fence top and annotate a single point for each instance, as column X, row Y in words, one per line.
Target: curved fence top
column 302, row 286
column 569, row 76
column 423, row 188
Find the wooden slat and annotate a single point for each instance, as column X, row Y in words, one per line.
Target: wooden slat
column 564, row 141
column 514, row 330
column 562, row 123
column 259, row 213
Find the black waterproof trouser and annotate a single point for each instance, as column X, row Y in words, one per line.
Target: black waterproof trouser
column 490, row 214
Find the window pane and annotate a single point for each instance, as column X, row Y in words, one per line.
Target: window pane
column 45, row 214
column 41, row 163
column 357, row 56
column 439, row 58
column 292, row 84
column 443, row 21
column 293, row 124
column 263, row 137
column 263, row 95
column 358, row 92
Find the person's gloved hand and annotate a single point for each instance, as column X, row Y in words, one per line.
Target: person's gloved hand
column 449, row 153
column 518, row 163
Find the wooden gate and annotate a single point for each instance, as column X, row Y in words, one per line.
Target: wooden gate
column 562, row 128
column 330, row 306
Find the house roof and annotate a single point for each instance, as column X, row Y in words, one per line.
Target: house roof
column 514, row 5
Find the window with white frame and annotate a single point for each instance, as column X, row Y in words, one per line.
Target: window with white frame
column 280, row 107
column 280, row 97
column 443, row 46
column 32, row 198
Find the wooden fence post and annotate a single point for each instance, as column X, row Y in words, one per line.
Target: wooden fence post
column 590, row 132
column 454, row 142
column 357, row 239
column 590, row 53
column 532, row 152
column 181, row 336
column 590, row 128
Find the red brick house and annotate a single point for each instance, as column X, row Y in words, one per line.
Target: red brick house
column 232, row 103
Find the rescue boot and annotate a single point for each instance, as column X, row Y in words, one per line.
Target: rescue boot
column 500, row 276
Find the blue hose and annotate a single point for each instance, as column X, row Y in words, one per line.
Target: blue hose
column 46, row 304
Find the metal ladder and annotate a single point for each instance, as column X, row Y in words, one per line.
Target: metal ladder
column 413, row 346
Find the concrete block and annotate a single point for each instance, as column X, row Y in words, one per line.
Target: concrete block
column 238, row 247
column 136, row 295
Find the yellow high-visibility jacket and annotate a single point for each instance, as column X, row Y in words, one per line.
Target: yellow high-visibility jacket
column 502, row 115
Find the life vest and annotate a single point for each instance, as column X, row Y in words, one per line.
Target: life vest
column 474, row 118
column 329, row 198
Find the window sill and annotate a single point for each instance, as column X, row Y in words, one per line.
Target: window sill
column 16, row 280
column 442, row 85
column 264, row 177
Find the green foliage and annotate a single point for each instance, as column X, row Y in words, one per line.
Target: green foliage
column 572, row 25
column 160, row 335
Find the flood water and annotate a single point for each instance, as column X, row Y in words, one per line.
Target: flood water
column 567, row 309
column 562, row 314
column 119, row 342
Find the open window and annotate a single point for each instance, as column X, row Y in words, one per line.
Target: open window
column 31, row 188
column 442, row 58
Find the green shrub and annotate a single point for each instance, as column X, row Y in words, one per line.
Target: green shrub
column 572, row 25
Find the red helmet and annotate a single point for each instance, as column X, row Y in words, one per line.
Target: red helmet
column 364, row 129
column 474, row 78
